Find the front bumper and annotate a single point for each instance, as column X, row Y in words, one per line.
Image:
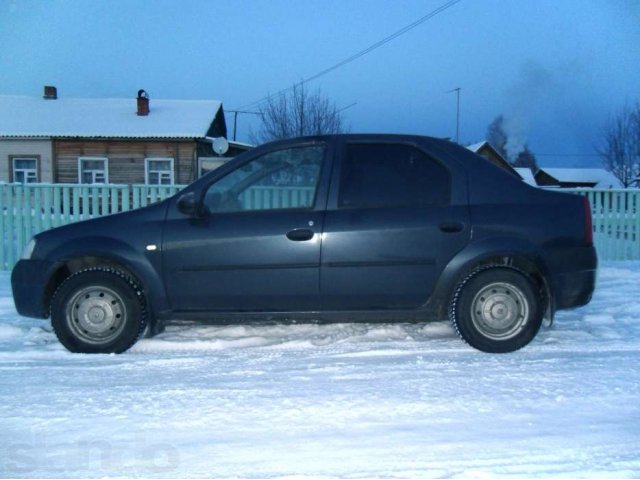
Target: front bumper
column 29, row 287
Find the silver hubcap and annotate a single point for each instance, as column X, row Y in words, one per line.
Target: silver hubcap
column 96, row 314
column 499, row 311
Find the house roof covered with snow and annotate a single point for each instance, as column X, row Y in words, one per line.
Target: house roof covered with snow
column 527, row 176
column 486, row 150
column 599, row 177
column 33, row 117
column 475, row 148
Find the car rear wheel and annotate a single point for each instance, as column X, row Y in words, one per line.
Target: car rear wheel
column 99, row 310
column 496, row 309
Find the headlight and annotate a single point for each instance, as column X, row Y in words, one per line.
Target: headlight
column 28, row 250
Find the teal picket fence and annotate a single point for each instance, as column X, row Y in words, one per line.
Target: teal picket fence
column 616, row 222
column 30, row 209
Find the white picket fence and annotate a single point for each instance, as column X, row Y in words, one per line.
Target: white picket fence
column 33, row 208
column 616, row 222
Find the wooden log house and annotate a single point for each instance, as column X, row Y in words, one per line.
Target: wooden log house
column 117, row 141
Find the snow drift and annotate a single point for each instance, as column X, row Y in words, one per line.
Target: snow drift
column 337, row 400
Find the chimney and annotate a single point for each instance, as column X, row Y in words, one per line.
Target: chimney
column 50, row 92
column 143, row 103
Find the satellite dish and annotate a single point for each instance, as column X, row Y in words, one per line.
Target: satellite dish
column 220, row 145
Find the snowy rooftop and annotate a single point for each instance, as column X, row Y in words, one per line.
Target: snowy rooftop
column 527, row 176
column 477, row 146
column 104, row 117
column 601, row 177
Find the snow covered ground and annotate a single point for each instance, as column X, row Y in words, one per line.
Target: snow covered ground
column 342, row 400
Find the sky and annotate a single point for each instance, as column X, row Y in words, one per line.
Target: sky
column 556, row 69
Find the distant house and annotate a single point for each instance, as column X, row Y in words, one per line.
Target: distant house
column 73, row 140
column 576, row 178
column 487, row 151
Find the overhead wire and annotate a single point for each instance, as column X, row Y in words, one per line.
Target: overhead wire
column 359, row 54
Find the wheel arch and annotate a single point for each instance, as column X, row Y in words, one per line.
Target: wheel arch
column 518, row 254
column 75, row 256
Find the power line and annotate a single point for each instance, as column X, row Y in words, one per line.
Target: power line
column 347, row 107
column 363, row 52
column 567, row 154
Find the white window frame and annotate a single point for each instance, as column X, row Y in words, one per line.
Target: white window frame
column 105, row 170
column 147, row 170
column 26, row 171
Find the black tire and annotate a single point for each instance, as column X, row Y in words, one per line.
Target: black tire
column 496, row 309
column 98, row 310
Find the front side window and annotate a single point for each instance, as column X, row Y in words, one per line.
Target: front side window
column 93, row 170
column 377, row 175
column 283, row 179
column 25, row 170
column 159, row 171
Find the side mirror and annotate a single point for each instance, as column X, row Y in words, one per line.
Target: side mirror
column 188, row 205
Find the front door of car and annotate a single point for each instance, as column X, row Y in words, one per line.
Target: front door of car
column 255, row 244
column 391, row 226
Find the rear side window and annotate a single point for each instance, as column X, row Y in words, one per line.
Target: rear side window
column 378, row 175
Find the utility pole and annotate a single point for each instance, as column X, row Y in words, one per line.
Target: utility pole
column 235, row 119
column 457, row 90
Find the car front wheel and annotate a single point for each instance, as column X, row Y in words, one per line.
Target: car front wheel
column 98, row 310
column 496, row 309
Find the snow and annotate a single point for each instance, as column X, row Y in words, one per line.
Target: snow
column 527, row 176
column 338, row 400
column 475, row 148
column 599, row 176
column 104, row 117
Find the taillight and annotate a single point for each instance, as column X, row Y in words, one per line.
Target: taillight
column 588, row 223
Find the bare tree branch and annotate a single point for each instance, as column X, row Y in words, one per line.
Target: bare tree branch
column 296, row 114
column 620, row 149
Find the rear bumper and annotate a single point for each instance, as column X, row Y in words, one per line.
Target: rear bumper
column 28, row 285
column 575, row 288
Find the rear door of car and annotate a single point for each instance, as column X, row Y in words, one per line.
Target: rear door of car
column 391, row 225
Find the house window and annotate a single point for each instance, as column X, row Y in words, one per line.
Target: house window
column 25, row 169
column 159, row 171
column 208, row 164
column 93, row 170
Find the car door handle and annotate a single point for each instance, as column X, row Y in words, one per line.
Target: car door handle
column 300, row 234
column 451, row 227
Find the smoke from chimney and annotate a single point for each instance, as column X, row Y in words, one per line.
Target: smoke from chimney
column 534, row 89
column 515, row 129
